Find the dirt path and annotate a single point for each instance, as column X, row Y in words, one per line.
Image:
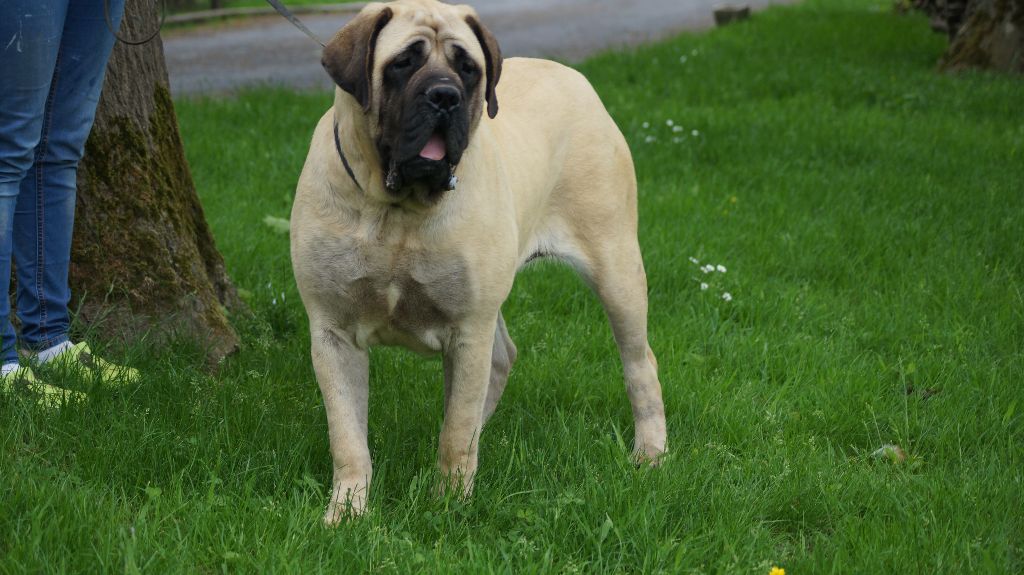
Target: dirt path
column 268, row 50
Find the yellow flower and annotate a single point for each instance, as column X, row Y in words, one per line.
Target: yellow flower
column 777, row 571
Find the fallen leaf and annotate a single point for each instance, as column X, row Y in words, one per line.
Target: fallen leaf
column 279, row 225
column 891, row 452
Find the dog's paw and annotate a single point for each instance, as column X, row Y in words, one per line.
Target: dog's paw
column 648, row 455
column 346, row 503
column 456, row 485
column 340, row 512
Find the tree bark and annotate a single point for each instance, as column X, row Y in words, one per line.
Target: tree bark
column 143, row 258
column 989, row 34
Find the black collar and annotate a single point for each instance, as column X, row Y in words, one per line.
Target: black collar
column 344, row 160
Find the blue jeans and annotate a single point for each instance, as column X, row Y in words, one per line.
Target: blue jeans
column 53, row 57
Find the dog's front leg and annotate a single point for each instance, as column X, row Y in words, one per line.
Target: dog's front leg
column 467, row 369
column 342, row 370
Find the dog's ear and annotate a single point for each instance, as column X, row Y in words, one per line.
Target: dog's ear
column 348, row 57
column 492, row 56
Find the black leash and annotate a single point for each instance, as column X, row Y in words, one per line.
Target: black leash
column 283, row 11
column 344, row 160
column 287, row 14
column 110, row 25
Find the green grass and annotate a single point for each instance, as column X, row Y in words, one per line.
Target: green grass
column 869, row 212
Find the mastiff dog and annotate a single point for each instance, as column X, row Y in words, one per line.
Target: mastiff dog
column 440, row 171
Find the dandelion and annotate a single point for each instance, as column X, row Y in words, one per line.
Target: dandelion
column 703, row 286
column 694, row 261
column 682, row 59
column 708, row 269
column 677, row 129
column 646, row 125
column 650, row 139
column 719, row 268
column 669, row 123
column 727, row 296
column 777, row 571
column 695, row 133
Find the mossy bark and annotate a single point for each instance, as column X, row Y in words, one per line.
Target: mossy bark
column 991, row 36
column 143, row 258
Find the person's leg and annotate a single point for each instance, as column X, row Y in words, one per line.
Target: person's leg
column 44, row 218
column 9, row 357
column 30, row 33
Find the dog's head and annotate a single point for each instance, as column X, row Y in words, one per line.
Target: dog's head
column 423, row 72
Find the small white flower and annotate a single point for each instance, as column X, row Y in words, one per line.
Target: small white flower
column 703, row 286
column 720, row 268
column 677, row 140
column 650, row 139
column 695, row 133
column 708, row 269
column 694, row 260
column 682, row 59
column 727, row 296
column 646, row 125
column 669, row 123
column 282, row 297
column 677, row 129
column 274, row 301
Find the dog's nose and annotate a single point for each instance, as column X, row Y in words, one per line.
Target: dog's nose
column 444, row 98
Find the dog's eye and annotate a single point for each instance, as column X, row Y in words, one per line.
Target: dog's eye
column 468, row 67
column 401, row 63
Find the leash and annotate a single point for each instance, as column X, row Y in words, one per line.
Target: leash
column 110, row 25
column 276, row 4
column 344, row 160
column 287, row 14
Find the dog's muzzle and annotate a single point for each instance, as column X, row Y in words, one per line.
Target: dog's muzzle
column 440, row 107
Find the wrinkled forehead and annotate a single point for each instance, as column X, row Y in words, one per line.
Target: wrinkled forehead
column 441, row 26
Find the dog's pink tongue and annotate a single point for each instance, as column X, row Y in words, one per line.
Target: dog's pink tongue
column 435, row 148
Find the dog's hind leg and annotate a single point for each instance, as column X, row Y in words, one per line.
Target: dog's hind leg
column 617, row 275
column 503, row 356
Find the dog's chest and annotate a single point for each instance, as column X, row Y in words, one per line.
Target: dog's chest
column 391, row 294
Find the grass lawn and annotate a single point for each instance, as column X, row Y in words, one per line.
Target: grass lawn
column 869, row 213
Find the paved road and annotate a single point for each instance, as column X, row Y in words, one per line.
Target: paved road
column 268, row 50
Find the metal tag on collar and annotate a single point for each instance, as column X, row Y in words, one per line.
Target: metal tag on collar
column 453, row 180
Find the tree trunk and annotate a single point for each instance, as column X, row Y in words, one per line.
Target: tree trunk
column 945, row 16
column 143, row 258
column 990, row 35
